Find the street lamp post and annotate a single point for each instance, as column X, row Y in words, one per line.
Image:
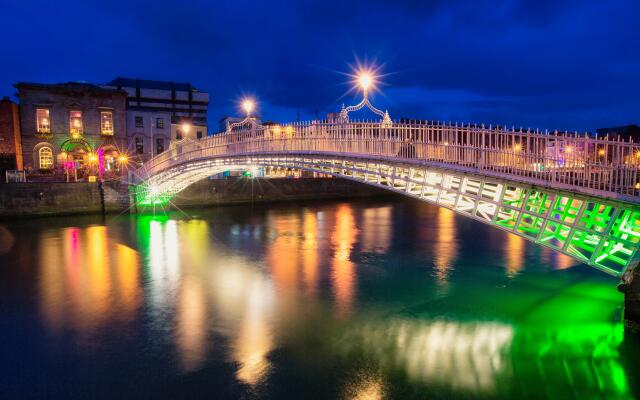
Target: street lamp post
column 365, row 80
column 247, row 105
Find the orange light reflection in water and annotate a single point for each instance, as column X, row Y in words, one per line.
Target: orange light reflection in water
column 343, row 236
column 514, row 254
column 310, row 254
column 87, row 283
column 446, row 247
column 376, row 229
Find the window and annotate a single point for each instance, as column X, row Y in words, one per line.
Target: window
column 199, row 134
column 139, row 145
column 160, row 123
column 178, row 134
column 139, row 122
column 45, row 158
column 43, row 123
column 106, row 123
column 75, row 124
column 159, row 145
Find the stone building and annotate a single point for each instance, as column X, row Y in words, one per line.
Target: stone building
column 160, row 114
column 10, row 148
column 72, row 126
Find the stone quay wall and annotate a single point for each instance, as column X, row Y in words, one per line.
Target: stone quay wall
column 24, row 200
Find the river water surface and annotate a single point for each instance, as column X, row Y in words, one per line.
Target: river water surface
column 355, row 300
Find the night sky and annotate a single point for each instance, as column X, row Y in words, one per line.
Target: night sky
column 546, row 63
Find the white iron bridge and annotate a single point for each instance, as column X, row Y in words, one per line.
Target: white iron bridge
column 576, row 194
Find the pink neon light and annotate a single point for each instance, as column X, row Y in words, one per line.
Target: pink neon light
column 101, row 162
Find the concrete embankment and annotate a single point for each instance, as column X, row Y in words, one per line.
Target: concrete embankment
column 41, row 199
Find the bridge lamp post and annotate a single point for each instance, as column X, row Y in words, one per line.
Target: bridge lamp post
column 248, row 106
column 366, row 80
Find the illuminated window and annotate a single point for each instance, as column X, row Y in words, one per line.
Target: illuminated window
column 159, row 145
column 75, row 124
column 43, row 123
column 106, row 123
column 139, row 122
column 45, row 158
column 139, row 145
column 160, row 123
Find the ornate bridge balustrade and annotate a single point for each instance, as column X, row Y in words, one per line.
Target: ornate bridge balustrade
column 574, row 194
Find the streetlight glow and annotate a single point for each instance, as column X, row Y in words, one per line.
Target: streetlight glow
column 365, row 80
column 186, row 127
column 248, row 105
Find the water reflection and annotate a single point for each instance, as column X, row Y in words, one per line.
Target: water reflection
column 256, row 290
column 467, row 356
column 310, row 251
column 446, row 247
column 86, row 282
column 376, row 229
column 489, row 358
column 514, row 254
column 343, row 236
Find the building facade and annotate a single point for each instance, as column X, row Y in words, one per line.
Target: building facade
column 10, row 147
column 160, row 114
column 72, row 127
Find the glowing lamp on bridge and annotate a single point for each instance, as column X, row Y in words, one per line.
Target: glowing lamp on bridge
column 365, row 80
column 248, row 105
column 123, row 159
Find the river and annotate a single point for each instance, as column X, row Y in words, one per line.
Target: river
column 357, row 300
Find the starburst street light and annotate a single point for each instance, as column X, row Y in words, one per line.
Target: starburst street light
column 248, row 105
column 365, row 79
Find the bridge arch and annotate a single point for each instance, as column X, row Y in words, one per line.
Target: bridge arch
column 534, row 201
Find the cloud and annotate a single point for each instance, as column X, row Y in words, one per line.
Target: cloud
column 570, row 63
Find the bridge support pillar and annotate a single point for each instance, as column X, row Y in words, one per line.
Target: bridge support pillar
column 630, row 286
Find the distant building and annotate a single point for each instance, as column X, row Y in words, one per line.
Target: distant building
column 160, row 112
column 625, row 132
column 10, row 147
column 72, row 125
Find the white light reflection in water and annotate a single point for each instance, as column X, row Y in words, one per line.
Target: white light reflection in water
column 460, row 355
column 164, row 264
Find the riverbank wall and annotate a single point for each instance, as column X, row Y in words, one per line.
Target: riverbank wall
column 24, row 200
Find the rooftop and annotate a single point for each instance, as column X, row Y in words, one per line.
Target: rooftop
column 121, row 82
column 68, row 86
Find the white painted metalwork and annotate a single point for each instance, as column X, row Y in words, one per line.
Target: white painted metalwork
column 575, row 194
column 604, row 167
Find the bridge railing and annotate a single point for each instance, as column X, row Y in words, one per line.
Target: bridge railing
column 605, row 165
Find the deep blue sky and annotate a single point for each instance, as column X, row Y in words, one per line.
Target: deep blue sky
column 543, row 63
